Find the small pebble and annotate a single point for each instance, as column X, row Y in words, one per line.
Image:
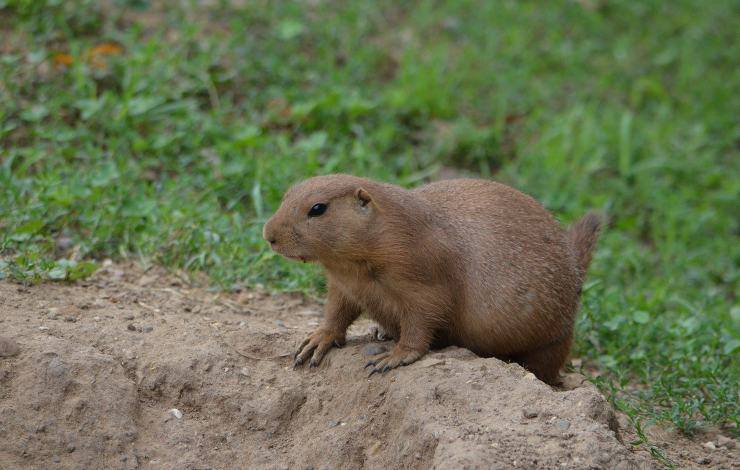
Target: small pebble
column 128, row 317
column 131, row 327
column 244, row 371
column 374, row 349
column 726, row 442
column 176, row 413
column 710, row 445
column 333, row 424
column 71, row 448
column 56, row 459
column 242, row 324
column 43, row 328
column 529, row 376
column 703, row 460
column 70, row 319
column 57, row 368
column 96, row 318
column 8, row 347
column 280, row 323
column 529, row 414
column 147, row 329
column 563, row 424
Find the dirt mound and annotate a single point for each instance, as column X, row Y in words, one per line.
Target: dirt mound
column 134, row 369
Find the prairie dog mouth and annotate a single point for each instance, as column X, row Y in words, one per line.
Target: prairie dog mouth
column 304, row 259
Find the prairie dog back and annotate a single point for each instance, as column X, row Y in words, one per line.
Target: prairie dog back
column 517, row 263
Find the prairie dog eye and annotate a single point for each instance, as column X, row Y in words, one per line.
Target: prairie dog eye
column 317, row 210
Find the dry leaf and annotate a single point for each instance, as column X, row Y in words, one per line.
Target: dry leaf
column 95, row 56
column 106, row 48
column 62, row 59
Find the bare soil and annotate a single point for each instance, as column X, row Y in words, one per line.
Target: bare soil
column 137, row 369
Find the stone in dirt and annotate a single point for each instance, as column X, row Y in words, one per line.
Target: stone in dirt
column 563, row 424
column 8, row 347
column 726, row 442
column 374, row 349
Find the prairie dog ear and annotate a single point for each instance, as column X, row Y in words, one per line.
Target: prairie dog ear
column 363, row 196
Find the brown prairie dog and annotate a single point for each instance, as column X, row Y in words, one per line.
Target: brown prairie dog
column 463, row 262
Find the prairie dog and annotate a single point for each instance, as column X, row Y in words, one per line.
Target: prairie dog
column 465, row 262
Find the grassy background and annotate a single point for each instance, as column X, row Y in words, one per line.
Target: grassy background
column 134, row 130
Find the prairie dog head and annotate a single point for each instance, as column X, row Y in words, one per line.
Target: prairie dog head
column 322, row 218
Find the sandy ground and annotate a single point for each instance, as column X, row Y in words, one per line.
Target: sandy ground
column 134, row 369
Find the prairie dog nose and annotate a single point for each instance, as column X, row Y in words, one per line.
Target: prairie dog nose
column 269, row 234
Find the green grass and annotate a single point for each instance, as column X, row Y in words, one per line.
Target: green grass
column 178, row 148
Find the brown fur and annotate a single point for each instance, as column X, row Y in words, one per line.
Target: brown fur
column 464, row 262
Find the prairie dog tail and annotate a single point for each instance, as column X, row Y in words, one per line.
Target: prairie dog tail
column 583, row 235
